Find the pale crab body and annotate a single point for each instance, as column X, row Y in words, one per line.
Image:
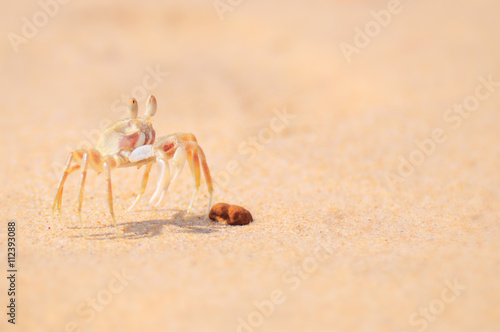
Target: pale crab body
column 131, row 142
column 125, row 135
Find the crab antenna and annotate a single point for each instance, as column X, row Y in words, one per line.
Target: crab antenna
column 151, row 106
column 133, row 109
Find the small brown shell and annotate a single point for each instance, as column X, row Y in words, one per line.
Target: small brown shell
column 230, row 214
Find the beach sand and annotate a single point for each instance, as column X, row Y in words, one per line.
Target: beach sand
column 372, row 175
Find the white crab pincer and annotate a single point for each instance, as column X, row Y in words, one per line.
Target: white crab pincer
column 131, row 142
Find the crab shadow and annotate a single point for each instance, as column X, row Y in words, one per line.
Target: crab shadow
column 196, row 224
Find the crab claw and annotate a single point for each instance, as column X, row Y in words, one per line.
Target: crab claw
column 141, row 153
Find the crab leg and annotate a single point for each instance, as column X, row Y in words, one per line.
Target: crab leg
column 195, row 156
column 195, row 148
column 82, row 185
column 195, row 167
column 107, row 172
column 208, row 178
column 163, row 182
column 194, row 164
column 67, row 171
column 179, row 159
column 143, row 185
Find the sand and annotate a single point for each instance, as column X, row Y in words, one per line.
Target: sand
column 376, row 200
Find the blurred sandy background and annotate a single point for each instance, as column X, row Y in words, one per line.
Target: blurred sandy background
column 321, row 181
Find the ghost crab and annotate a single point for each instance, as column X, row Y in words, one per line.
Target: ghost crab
column 131, row 142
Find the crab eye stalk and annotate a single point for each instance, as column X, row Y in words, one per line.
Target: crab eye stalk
column 151, row 106
column 133, row 109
